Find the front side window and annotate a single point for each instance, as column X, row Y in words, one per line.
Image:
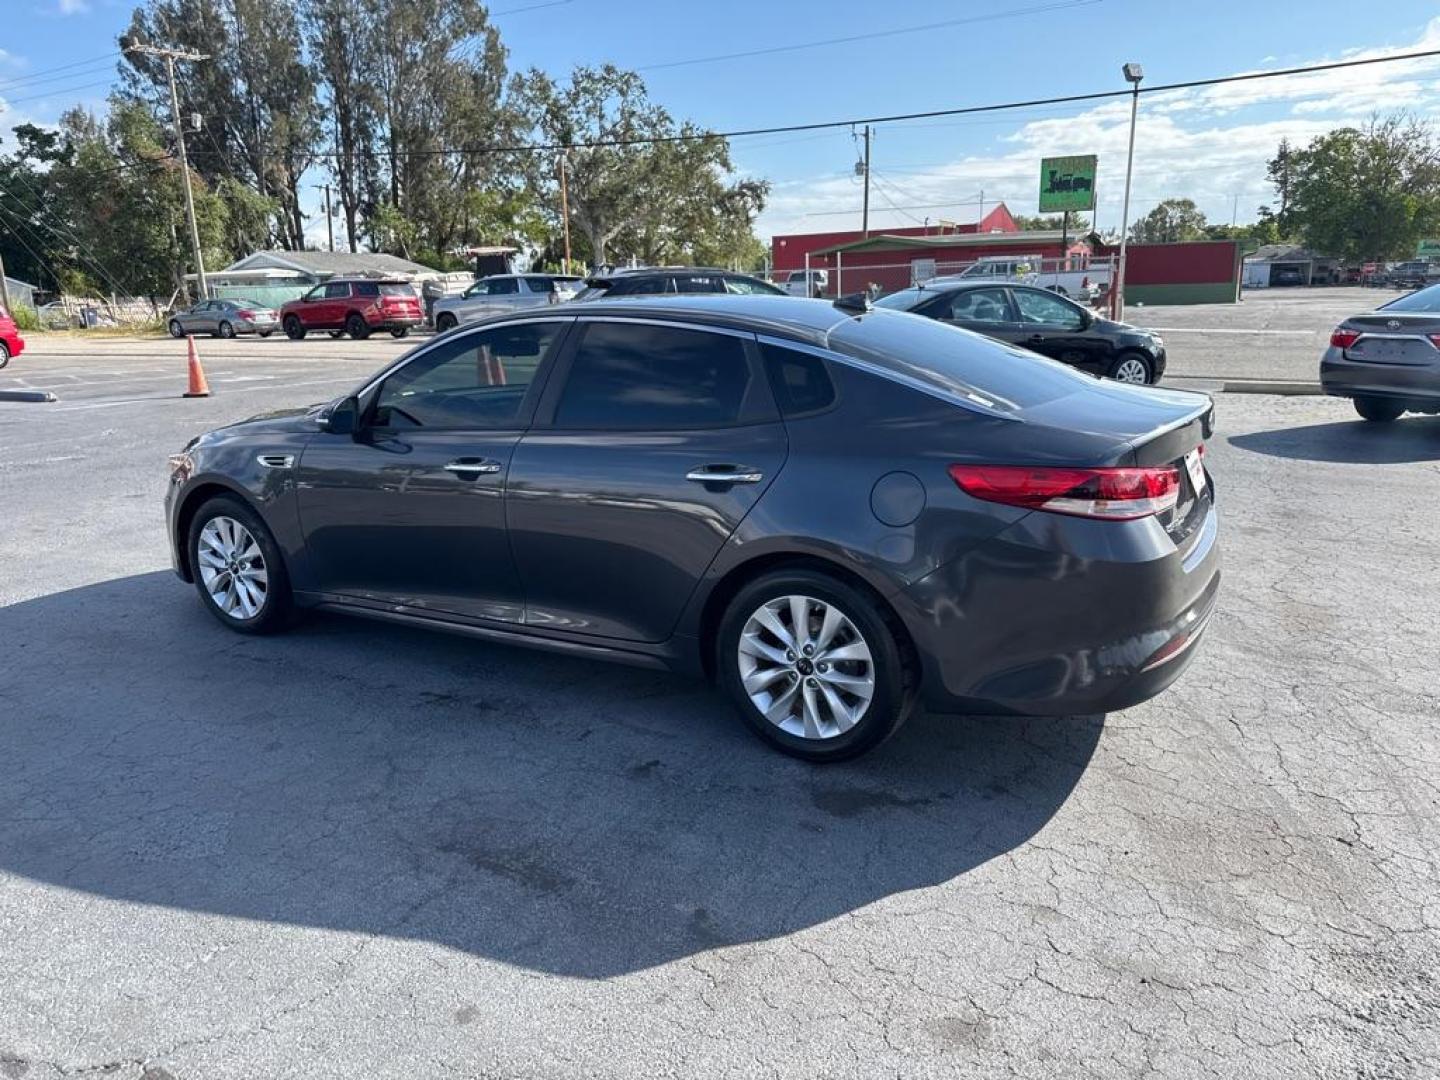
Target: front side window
column 632, row 376
column 317, row 293
column 474, row 381
column 1043, row 307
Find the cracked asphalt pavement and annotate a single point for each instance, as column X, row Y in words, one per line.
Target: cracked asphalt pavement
column 362, row 850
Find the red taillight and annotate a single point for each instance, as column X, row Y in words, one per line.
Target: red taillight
column 1111, row 494
column 1343, row 339
column 247, row 315
column 1435, row 340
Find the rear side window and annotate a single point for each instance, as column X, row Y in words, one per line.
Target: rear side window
column 540, row 284
column 800, row 380
column 631, row 376
column 644, row 286
column 367, row 288
column 696, row 283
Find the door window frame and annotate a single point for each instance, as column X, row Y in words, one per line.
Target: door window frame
column 368, row 397
column 756, row 407
column 1012, row 311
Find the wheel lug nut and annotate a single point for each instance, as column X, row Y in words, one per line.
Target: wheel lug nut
column 790, row 655
column 812, row 683
column 809, row 650
column 822, row 668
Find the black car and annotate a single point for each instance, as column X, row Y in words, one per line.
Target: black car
column 1039, row 320
column 834, row 512
column 670, row 280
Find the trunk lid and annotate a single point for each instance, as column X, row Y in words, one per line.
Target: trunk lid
column 1397, row 337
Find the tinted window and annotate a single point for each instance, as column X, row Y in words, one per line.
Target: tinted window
column 743, row 286
column 971, row 305
column 956, row 362
column 641, row 286
column 1427, row 299
column 361, row 288
column 905, row 299
column 504, row 286
column 627, row 375
column 800, row 380
column 698, row 283
column 1047, row 308
column 590, row 292
column 476, row 380
column 396, row 288
column 540, row 284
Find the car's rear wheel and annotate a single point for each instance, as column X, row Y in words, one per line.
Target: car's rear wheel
column 814, row 665
column 357, row 327
column 445, row 321
column 1130, row 367
column 1378, row 410
column 176, row 330
column 294, row 329
column 4, row 354
column 399, row 331
column 226, row 330
column 237, row 567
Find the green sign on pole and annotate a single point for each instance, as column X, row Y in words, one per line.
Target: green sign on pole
column 1427, row 248
column 1067, row 183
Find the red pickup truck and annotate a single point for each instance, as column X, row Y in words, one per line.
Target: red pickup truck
column 11, row 343
column 356, row 307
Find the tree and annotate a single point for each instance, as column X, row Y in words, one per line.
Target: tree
column 29, row 219
column 1362, row 193
column 1079, row 224
column 1171, row 222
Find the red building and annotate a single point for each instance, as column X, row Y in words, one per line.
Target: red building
column 787, row 252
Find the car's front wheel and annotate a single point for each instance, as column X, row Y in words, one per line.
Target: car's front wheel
column 226, row 330
column 1378, row 410
column 445, row 321
column 294, row 328
column 815, row 666
column 176, row 330
column 237, row 567
column 1130, row 367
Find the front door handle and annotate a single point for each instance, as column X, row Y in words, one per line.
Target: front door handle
column 469, row 468
column 725, row 474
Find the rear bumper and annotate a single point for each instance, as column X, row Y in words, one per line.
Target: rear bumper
column 1341, row 377
column 1060, row 616
column 396, row 322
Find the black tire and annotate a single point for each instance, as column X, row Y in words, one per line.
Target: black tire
column 176, row 330
column 225, row 330
column 265, row 333
column 445, row 322
column 278, row 603
column 336, row 334
column 1125, row 358
column 294, row 328
column 398, row 332
column 894, row 675
column 357, row 327
column 4, row 354
column 1378, row 410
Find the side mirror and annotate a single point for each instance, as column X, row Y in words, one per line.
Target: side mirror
column 342, row 418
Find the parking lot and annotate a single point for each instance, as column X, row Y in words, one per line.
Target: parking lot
column 359, row 850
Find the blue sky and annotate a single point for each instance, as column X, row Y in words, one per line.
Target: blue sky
column 1210, row 145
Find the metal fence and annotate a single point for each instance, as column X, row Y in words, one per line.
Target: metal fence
column 1083, row 278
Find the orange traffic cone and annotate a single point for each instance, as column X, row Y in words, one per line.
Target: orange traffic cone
column 198, row 386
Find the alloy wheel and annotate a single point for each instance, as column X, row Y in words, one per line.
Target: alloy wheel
column 1131, row 370
column 806, row 667
column 232, row 568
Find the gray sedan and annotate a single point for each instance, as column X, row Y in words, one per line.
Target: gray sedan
column 1388, row 361
column 500, row 294
column 224, row 318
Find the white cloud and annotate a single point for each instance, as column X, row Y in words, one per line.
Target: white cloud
column 72, row 7
column 1207, row 143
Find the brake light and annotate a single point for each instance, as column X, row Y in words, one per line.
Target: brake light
column 1435, row 340
column 1343, row 339
column 1111, row 494
column 247, row 315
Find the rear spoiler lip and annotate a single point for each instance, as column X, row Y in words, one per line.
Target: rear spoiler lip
column 1205, row 413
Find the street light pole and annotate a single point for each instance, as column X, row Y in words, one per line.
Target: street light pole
column 565, row 207
column 1133, row 74
column 170, row 56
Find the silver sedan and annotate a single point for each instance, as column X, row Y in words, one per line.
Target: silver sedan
column 224, row 318
column 498, row 295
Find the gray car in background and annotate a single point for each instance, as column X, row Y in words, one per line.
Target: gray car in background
column 502, row 294
column 1387, row 361
column 225, row 318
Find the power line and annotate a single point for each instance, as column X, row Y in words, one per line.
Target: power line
column 33, row 75
column 27, row 83
column 57, row 90
column 1038, row 9
column 80, row 254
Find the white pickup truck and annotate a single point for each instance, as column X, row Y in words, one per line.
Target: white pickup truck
column 1079, row 284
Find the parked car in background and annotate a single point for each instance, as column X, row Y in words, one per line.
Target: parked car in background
column 357, row 307
column 669, row 280
column 928, row 516
column 1039, row 320
column 1413, row 274
column 807, row 282
column 1286, row 275
column 1387, row 361
column 1081, row 283
column 500, row 294
column 224, row 318
column 11, row 343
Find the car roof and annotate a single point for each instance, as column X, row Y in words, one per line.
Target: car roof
column 782, row 316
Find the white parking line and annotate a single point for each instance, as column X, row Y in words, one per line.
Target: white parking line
column 1228, row 330
column 338, row 381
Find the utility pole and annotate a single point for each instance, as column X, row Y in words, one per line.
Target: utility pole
column 865, row 210
column 5, row 290
column 329, row 221
column 565, row 207
column 1133, row 74
column 170, row 56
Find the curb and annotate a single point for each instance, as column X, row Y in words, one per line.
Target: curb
column 27, row 395
column 1285, row 389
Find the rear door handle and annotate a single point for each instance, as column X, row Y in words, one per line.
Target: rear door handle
column 469, row 468
column 725, row 474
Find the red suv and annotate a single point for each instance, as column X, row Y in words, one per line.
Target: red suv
column 11, row 343
column 356, row 308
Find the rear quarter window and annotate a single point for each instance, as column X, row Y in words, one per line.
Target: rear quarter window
column 800, row 380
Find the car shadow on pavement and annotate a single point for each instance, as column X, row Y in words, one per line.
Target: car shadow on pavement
column 1359, row 442
column 561, row 815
